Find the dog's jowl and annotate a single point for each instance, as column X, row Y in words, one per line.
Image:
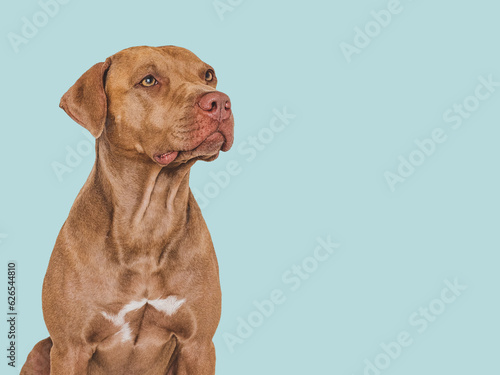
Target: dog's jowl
column 132, row 285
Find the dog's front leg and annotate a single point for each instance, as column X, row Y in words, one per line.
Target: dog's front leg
column 195, row 358
column 65, row 360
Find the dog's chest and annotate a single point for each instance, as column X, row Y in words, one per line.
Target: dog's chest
column 145, row 317
column 141, row 305
column 138, row 337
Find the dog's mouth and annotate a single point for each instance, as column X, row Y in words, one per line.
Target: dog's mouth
column 208, row 150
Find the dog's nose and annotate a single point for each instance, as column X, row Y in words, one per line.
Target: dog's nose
column 216, row 105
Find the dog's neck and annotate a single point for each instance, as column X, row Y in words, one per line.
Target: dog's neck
column 149, row 203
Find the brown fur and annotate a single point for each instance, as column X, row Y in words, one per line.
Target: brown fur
column 135, row 230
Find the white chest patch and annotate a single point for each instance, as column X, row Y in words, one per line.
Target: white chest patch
column 168, row 305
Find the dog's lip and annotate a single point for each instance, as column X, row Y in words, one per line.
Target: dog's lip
column 165, row 158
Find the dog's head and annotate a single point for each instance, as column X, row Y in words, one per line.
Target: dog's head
column 156, row 102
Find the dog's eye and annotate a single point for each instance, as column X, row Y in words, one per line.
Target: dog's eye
column 209, row 75
column 149, row 81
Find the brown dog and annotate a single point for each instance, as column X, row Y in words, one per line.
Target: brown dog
column 132, row 285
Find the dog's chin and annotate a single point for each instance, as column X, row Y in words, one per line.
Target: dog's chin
column 210, row 146
column 208, row 150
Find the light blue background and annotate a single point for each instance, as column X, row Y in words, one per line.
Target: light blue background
column 323, row 175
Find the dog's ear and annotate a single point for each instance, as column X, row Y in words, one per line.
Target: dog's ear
column 86, row 102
